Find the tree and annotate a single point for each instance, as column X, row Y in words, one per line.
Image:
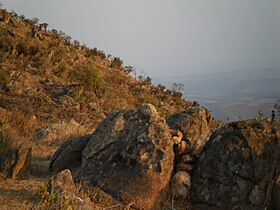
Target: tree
column 275, row 115
column 14, row 14
column 109, row 57
column 76, row 43
column 177, row 87
column 128, row 69
column 44, row 26
column 34, row 21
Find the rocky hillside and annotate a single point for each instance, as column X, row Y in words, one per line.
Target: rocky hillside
column 50, row 83
column 77, row 131
column 53, row 88
column 46, row 74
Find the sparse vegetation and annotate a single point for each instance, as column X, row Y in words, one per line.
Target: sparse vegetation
column 53, row 201
column 46, row 78
column 46, row 199
column 5, row 142
column 117, row 63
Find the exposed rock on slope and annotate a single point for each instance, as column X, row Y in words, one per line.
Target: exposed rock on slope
column 239, row 167
column 130, row 156
column 192, row 129
column 62, row 193
column 15, row 162
column 195, row 124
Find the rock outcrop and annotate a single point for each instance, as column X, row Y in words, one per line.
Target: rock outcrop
column 129, row 156
column 62, row 183
column 195, row 124
column 239, row 167
column 191, row 130
column 135, row 157
column 15, row 162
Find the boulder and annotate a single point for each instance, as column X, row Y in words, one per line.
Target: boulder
column 195, row 124
column 180, row 185
column 238, row 167
column 62, row 183
column 16, row 161
column 61, row 186
column 130, row 156
column 69, row 155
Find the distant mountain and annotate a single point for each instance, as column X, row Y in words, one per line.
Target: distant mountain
column 233, row 95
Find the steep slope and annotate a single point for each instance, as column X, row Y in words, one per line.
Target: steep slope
column 53, row 88
column 45, row 73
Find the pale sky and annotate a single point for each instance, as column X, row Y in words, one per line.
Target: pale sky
column 169, row 37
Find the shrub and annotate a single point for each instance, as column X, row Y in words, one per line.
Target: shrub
column 117, row 63
column 34, row 50
column 86, row 75
column 95, row 52
column 150, row 100
column 52, row 201
column 6, row 41
column 23, row 48
column 5, row 76
column 5, row 142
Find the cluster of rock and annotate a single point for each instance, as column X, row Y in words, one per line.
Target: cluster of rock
column 240, row 167
column 135, row 156
column 191, row 130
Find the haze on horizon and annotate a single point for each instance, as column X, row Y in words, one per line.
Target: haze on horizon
column 169, row 38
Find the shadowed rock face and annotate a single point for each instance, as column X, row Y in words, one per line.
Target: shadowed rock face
column 239, row 167
column 69, row 155
column 130, row 155
column 15, row 162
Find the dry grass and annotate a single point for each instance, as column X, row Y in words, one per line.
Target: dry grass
column 38, row 89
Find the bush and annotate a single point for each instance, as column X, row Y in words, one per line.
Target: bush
column 117, row 63
column 5, row 142
column 23, row 48
column 53, row 201
column 86, row 75
column 95, row 52
column 150, row 100
column 5, row 76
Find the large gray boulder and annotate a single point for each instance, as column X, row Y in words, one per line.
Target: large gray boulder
column 130, row 156
column 239, row 167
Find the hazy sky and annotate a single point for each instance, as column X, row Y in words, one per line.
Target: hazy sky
column 169, row 37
